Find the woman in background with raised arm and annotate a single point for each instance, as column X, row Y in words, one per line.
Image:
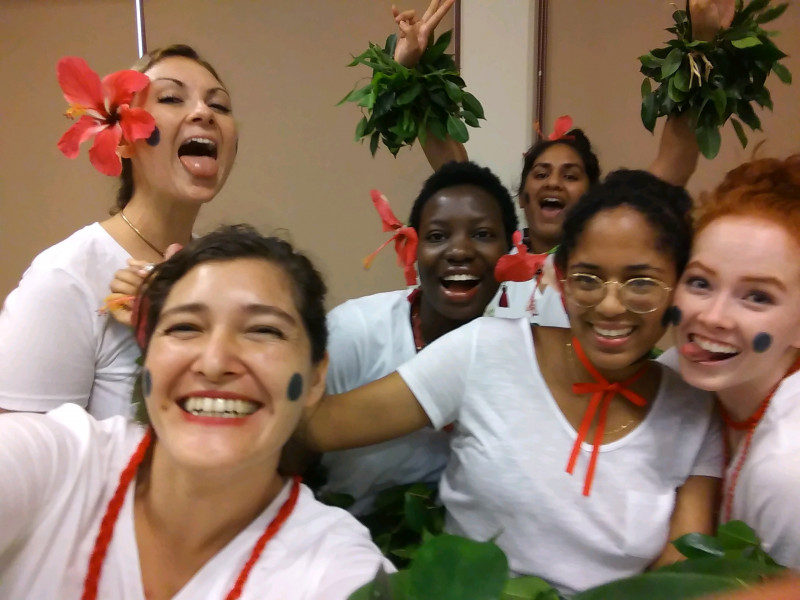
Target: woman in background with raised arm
column 56, row 347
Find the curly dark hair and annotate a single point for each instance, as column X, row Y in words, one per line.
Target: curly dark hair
column 575, row 139
column 229, row 243
column 452, row 174
column 666, row 207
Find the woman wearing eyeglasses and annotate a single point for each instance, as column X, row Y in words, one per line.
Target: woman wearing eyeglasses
column 581, row 458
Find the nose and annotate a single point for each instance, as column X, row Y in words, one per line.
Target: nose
column 553, row 180
column 218, row 358
column 201, row 112
column 460, row 248
column 611, row 305
column 715, row 313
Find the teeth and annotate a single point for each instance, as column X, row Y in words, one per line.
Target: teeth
column 714, row 347
column 461, row 278
column 219, row 407
column 200, row 140
column 552, row 201
column 613, row 332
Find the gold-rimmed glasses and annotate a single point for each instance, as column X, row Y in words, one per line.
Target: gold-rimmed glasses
column 639, row 295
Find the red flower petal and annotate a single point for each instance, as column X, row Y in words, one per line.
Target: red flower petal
column 390, row 222
column 79, row 83
column 103, row 154
column 562, row 126
column 81, row 131
column 137, row 123
column 119, row 87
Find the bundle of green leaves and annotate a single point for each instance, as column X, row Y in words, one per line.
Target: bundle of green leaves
column 714, row 80
column 448, row 567
column 400, row 105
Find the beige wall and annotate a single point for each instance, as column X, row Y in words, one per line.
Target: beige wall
column 298, row 167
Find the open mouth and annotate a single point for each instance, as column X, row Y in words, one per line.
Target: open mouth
column 613, row 334
column 199, row 156
column 551, row 206
column 700, row 349
column 218, row 407
column 460, row 284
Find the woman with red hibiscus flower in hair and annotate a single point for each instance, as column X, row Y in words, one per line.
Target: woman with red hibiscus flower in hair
column 167, row 130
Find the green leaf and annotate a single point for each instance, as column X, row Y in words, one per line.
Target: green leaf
column 409, row 95
column 436, row 50
column 646, row 89
column 772, row 13
column 649, row 112
column 720, row 100
column 377, row 588
column 737, row 127
column 361, row 128
column 672, row 63
column 674, row 93
column 650, row 61
column 453, row 91
column 390, row 45
column 437, row 128
column 743, row 569
column 709, row 140
column 415, row 512
column 470, row 119
column 747, row 42
column 746, row 113
column 373, row 142
column 456, row 129
column 661, row 586
column 454, row 568
column 526, row 588
column 383, row 104
column 782, row 72
column 737, row 535
column 356, row 95
column 681, row 79
column 697, row 545
column 471, row 103
column 754, row 7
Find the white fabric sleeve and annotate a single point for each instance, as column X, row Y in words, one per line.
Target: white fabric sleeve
column 710, row 460
column 345, row 328
column 33, row 458
column 774, row 499
column 357, row 565
column 437, row 376
column 47, row 347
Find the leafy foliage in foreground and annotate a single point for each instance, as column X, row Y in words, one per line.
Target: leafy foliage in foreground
column 715, row 80
column 401, row 104
column 448, row 567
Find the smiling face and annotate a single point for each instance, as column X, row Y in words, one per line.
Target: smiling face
column 743, row 280
column 229, row 373
column 197, row 133
column 555, row 182
column 617, row 245
column 461, row 237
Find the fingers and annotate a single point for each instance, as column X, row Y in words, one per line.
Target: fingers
column 436, row 17
column 172, row 249
column 406, row 15
column 430, row 10
column 127, row 281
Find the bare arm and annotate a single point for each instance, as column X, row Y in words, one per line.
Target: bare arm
column 379, row 411
column 694, row 513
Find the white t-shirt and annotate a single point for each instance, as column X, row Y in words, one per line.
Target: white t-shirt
column 768, row 486
column 506, row 479
column 54, row 345
column 369, row 338
column 57, row 474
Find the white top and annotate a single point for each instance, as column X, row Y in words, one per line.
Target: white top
column 57, row 474
column 507, row 475
column 54, row 345
column 526, row 299
column 768, row 486
column 369, row 338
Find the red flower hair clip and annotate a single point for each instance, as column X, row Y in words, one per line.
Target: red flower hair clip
column 405, row 238
column 104, row 110
column 561, row 127
column 521, row 266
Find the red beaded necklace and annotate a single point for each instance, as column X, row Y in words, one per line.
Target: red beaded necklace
column 749, row 425
column 414, row 298
column 103, row 539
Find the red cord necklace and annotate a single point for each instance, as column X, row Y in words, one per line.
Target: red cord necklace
column 749, row 425
column 414, row 298
column 115, row 505
column 602, row 392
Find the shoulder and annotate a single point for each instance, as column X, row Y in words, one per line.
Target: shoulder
column 691, row 403
column 384, row 306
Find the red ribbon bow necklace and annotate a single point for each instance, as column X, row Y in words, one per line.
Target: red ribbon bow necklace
column 602, row 392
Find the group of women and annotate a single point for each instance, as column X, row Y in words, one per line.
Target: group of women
column 553, row 434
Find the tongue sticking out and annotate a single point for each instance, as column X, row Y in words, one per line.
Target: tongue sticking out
column 200, row 166
column 695, row 353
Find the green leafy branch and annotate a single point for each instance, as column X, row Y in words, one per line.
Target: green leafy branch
column 400, row 104
column 448, row 567
column 714, row 80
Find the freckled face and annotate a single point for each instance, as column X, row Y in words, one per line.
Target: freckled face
column 743, row 280
column 557, row 181
column 617, row 245
column 221, row 365
column 461, row 238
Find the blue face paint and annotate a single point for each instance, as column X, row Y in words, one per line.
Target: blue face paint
column 147, row 383
column 672, row 316
column 154, row 138
column 761, row 342
column 295, row 389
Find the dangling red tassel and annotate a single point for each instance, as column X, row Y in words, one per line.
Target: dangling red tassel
column 503, row 303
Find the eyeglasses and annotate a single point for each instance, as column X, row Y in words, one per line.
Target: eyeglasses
column 639, row 294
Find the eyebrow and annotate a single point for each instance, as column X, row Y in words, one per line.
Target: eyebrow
column 251, row 309
column 563, row 165
column 179, row 83
column 637, row 267
column 767, row 280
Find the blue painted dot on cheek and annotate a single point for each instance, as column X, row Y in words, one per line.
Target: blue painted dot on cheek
column 154, row 138
column 295, row 389
column 761, row 342
column 672, row 316
column 147, row 383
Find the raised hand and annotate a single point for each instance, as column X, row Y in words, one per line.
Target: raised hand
column 413, row 34
column 709, row 16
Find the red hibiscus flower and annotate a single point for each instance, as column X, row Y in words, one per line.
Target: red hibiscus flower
column 405, row 238
column 104, row 111
column 521, row 266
